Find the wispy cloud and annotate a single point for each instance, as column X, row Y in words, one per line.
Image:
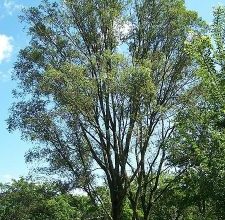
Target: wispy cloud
column 6, row 47
column 12, row 6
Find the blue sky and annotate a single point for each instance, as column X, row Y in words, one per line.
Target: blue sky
column 12, row 39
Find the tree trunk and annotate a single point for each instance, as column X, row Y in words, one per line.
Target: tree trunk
column 117, row 206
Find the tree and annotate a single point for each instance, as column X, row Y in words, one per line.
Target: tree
column 200, row 136
column 101, row 82
column 25, row 200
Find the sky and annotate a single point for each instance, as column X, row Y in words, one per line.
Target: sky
column 13, row 37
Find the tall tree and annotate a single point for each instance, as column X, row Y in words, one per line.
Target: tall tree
column 101, row 82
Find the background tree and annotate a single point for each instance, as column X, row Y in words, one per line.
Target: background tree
column 24, row 200
column 97, row 98
column 200, row 133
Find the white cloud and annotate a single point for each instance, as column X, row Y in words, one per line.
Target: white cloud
column 12, row 6
column 6, row 47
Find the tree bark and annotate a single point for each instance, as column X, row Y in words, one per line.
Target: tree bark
column 117, row 205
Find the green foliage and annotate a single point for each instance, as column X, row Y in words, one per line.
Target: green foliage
column 26, row 200
column 200, row 136
column 23, row 200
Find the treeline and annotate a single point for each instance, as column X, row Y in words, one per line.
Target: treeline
column 27, row 200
